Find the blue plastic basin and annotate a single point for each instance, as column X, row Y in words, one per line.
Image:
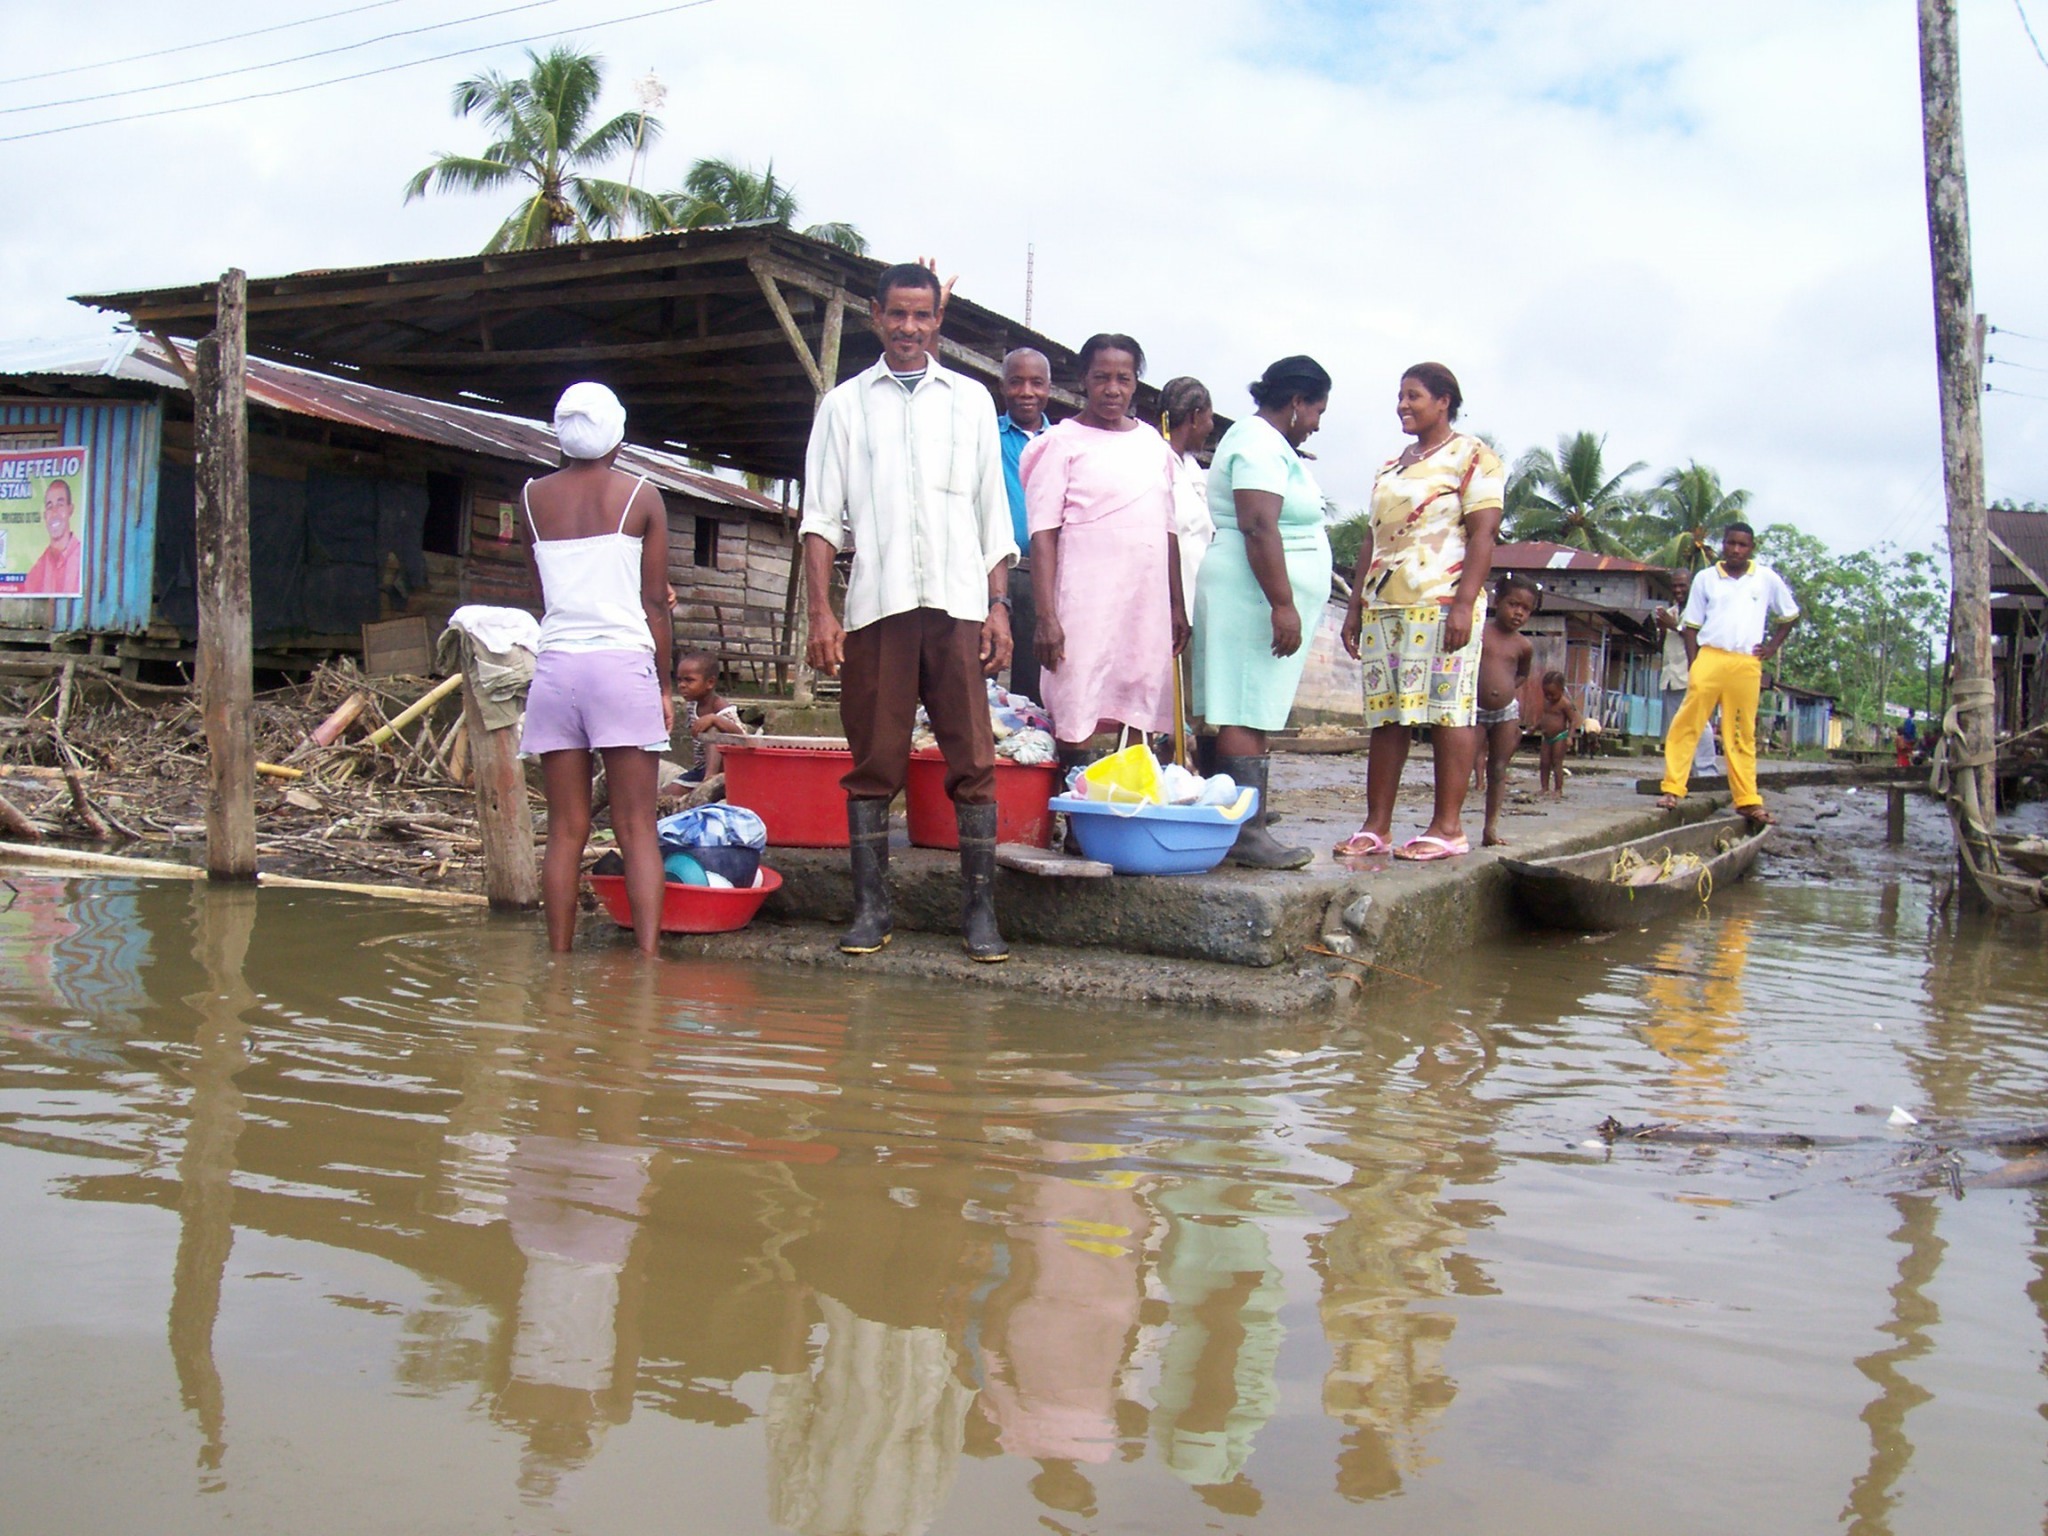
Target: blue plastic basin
column 1155, row 839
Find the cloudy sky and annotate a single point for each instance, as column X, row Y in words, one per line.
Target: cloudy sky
column 1697, row 229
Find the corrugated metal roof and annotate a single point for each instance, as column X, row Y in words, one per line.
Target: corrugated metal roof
column 326, row 397
column 2027, row 533
column 1539, row 556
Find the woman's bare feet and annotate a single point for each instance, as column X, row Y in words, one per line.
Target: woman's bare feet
column 1492, row 839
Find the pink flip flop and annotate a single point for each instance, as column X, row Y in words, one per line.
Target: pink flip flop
column 1427, row 850
column 1362, row 844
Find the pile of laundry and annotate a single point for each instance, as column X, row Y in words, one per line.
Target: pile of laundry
column 1023, row 730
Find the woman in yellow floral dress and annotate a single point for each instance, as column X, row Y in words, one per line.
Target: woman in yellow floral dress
column 1418, row 599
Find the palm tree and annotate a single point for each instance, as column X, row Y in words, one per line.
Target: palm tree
column 1685, row 509
column 545, row 144
column 725, row 192
column 1569, row 497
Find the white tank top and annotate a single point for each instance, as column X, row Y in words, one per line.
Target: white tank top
column 591, row 587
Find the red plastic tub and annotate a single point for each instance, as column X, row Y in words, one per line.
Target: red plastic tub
column 691, row 908
column 793, row 789
column 1022, row 791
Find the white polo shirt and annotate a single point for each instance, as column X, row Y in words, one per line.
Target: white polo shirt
column 1733, row 613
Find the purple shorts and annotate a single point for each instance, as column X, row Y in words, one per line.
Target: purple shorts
column 589, row 700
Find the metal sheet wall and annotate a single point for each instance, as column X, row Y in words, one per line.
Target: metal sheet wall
column 123, row 442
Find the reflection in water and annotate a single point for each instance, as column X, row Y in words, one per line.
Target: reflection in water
column 1694, row 992
column 222, row 922
column 1414, row 1122
column 867, row 1259
column 1058, row 1329
column 1216, row 1378
column 574, row 1204
column 1913, row 1318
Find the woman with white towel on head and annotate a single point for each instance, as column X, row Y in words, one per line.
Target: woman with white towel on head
column 601, row 683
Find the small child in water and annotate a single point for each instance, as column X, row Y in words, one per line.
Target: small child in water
column 704, row 712
column 1560, row 717
column 1505, row 654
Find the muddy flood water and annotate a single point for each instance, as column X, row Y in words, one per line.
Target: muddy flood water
column 321, row 1215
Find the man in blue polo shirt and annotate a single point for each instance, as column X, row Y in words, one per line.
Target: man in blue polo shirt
column 1027, row 385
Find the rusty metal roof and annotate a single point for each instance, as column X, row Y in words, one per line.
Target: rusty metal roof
column 2027, row 533
column 1539, row 556
column 327, row 397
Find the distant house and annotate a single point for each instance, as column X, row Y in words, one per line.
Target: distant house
column 365, row 504
column 1598, row 627
column 2019, row 617
column 1800, row 717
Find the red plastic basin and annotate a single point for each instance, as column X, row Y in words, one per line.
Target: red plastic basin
column 1022, row 790
column 691, row 908
column 794, row 790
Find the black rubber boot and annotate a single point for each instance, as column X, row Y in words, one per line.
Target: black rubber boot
column 867, row 827
column 1256, row 848
column 978, row 884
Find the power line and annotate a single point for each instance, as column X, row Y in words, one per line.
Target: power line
column 2043, row 57
column 1999, row 330
column 364, row 74
column 2006, row 362
column 2017, row 394
column 300, row 58
column 211, row 42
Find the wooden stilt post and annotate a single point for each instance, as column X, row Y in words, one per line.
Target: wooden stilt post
column 796, row 629
column 226, row 682
column 504, row 823
column 1895, row 815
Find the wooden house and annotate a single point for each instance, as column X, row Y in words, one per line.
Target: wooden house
column 366, row 504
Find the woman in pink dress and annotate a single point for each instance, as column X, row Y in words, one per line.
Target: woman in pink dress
column 1105, row 562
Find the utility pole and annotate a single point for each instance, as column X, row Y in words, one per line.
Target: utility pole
column 1958, row 347
column 1030, row 272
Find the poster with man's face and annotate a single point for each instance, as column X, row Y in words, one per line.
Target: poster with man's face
column 42, row 522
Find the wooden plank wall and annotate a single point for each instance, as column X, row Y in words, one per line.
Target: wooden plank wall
column 733, row 608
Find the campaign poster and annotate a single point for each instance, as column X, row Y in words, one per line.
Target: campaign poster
column 42, row 522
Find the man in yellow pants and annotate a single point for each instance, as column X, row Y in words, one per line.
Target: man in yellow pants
column 1727, row 614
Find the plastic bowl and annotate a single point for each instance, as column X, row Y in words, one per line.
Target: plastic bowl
column 736, row 864
column 1155, row 839
column 691, row 908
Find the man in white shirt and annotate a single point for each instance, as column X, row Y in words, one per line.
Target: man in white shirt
column 905, row 468
column 1727, row 614
column 1677, row 664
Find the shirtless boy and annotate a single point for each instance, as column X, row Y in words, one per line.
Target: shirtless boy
column 697, row 685
column 1504, row 657
column 1560, row 717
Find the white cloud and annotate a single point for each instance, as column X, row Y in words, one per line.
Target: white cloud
column 1697, row 229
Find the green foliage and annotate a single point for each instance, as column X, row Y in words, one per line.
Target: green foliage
column 725, row 192
column 546, row 147
column 1871, row 625
column 1683, row 513
column 1347, row 538
column 546, row 144
column 1569, row 497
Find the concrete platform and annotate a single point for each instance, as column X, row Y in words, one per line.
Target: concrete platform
column 1234, row 940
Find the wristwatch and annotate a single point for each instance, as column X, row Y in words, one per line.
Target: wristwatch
column 1000, row 597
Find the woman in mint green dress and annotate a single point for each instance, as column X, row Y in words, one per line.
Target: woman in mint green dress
column 1262, row 587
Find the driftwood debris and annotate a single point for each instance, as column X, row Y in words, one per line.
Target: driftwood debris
column 128, row 769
